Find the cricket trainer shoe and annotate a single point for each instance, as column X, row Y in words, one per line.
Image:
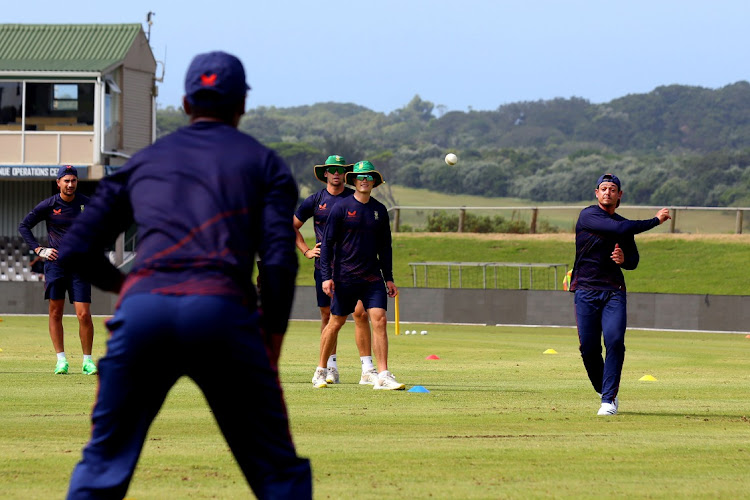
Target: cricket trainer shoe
column 388, row 382
column 369, row 378
column 332, row 375
column 61, row 368
column 89, row 368
column 609, row 408
column 319, row 379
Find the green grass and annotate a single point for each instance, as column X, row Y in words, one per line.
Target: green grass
column 502, row 420
column 708, row 261
column 669, row 263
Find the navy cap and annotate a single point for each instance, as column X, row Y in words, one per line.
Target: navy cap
column 609, row 178
column 219, row 73
column 66, row 170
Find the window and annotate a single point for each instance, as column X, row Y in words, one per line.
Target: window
column 11, row 104
column 65, row 97
column 58, row 106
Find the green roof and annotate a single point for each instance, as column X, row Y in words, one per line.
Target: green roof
column 64, row 47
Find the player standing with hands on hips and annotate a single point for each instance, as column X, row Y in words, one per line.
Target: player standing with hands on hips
column 356, row 263
column 605, row 244
column 206, row 200
column 318, row 206
column 59, row 212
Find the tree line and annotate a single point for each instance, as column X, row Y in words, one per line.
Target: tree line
column 677, row 145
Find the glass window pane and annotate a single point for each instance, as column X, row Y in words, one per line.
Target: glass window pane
column 11, row 104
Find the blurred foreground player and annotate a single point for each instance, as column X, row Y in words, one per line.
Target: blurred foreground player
column 206, row 199
column 605, row 244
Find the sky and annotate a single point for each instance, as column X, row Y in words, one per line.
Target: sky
column 459, row 55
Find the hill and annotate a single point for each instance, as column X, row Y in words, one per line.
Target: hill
column 675, row 145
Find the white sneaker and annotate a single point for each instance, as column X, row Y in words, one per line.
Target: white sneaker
column 319, row 379
column 607, row 409
column 369, row 378
column 332, row 377
column 388, row 382
column 616, row 401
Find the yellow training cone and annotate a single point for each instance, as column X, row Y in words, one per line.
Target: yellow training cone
column 550, row 351
column 647, row 378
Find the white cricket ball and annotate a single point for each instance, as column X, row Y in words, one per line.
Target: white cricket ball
column 407, row 332
column 423, row 332
column 451, row 159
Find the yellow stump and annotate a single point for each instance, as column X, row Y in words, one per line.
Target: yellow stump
column 397, row 314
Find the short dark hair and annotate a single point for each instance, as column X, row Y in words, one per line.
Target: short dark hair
column 208, row 104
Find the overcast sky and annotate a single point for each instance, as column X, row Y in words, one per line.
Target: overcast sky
column 470, row 54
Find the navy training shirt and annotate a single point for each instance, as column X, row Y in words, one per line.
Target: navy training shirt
column 206, row 200
column 597, row 232
column 59, row 216
column 358, row 238
column 318, row 206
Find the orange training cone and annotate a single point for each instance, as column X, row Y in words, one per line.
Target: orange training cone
column 432, row 356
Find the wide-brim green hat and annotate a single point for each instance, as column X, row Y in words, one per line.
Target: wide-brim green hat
column 364, row 167
column 332, row 161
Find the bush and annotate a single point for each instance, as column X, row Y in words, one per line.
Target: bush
column 441, row 222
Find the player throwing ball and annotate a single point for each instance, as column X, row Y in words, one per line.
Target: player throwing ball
column 605, row 245
column 355, row 260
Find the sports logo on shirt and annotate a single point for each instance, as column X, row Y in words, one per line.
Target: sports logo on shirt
column 56, row 211
column 351, row 215
column 82, row 209
column 323, row 206
column 376, row 215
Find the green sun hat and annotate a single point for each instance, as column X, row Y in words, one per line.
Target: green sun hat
column 364, row 168
column 332, row 161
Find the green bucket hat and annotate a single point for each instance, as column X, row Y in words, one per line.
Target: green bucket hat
column 332, row 161
column 364, row 167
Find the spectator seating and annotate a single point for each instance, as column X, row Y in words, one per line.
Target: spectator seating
column 15, row 260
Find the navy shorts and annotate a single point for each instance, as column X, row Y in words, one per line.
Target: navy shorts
column 323, row 299
column 58, row 280
column 346, row 295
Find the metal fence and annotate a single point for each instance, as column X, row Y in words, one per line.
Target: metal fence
column 557, row 218
column 488, row 275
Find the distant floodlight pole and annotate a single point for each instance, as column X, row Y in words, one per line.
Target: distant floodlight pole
column 149, row 22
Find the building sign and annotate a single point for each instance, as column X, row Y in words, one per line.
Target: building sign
column 37, row 172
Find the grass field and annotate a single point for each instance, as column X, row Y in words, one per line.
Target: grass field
column 670, row 263
column 502, row 419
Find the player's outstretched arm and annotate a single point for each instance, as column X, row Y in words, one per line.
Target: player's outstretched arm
column 663, row 215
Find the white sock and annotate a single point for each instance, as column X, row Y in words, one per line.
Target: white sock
column 87, row 357
column 366, row 363
column 382, row 374
column 61, row 355
column 320, row 368
column 332, row 361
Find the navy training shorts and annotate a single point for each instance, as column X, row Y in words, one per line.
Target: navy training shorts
column 345, row 297
column 58, row 280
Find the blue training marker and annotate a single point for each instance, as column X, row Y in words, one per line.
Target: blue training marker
column 418, row 388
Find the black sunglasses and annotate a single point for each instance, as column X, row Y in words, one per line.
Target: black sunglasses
column 336, row 170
